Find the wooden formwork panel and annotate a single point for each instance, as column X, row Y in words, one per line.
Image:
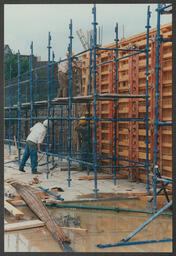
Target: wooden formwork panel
column 127, row 144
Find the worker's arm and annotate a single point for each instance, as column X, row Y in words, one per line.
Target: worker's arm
column 41, row 138
column 38, row 146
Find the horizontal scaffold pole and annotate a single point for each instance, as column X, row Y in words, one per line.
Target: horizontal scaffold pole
column 92, row 207
column 134, row 243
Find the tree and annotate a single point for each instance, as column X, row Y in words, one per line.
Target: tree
column 12, row 59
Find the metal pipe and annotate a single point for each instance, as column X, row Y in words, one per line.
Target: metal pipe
column 69, row 99
column 94, row 23
column 147, row 222
column 115, row 102
column 48, row 84
column 165, row 123
column 31, row 83
column 134, row 243
column 161, row 8
column 10, row 104
column 92, row 207
column 147, row 102
column 53, row 107
column 73, row 119
column 155, row 151
column 121, row 58
column 159, row 191
column 119, row 49
column 19, row 109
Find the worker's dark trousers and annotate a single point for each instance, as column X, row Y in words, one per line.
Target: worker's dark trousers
column 30, row 150
column 85, row 155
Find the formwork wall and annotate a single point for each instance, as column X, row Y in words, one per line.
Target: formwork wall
column 132, row 80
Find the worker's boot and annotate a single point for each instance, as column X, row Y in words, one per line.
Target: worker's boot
column 21, row 170
column 36, row 172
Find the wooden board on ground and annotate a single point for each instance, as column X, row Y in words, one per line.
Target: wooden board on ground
column 74, row 229
column 75, row 168
column 141, row 194
column 23, row 225
column 160, row 198
column 14, row 211
column 17, row 202
column 34, row 224
column 100, row 177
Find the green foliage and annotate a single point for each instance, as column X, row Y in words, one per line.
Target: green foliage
column 12, row 59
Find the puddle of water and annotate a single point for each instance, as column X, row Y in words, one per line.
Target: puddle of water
column 103, row 227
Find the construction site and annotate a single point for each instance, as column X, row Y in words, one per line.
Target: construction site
column 99, row 179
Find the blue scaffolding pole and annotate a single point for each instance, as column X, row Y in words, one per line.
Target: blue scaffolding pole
column 89, row 93
column 147, row 102
column 53, row 107
column 94, row 71
column 61, row 130
column 48, row 83
column 157, row 123
column 115, row 102
column 10, row 110
column 31, row 83
column 69, row 100
column 19, row 110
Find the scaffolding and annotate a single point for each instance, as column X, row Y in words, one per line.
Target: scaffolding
column 32, row 78
column 31, row 81
column 158, row 124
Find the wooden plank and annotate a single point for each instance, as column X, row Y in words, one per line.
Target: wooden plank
column 17, row 202
column 23, row 225
column 146, row 198
column 75, row 229
column 75, row 168
column 14, row 211
column 100, row 177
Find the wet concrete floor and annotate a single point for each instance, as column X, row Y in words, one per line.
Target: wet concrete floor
column 103, row 227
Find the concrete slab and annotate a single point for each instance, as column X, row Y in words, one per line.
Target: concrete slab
column 79, row 189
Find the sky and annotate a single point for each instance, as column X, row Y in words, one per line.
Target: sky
column 26, row 23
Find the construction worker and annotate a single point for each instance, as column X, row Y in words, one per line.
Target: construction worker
column 85, row 141
column 33, row 141
column 63, row 77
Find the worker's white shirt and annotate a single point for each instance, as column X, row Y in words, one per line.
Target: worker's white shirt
column 63, row 67
column 37, row 133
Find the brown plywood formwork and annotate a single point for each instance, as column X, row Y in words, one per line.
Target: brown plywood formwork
column 131, row 79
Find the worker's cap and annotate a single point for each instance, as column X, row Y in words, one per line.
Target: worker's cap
column 45, row 123
column 83, row 121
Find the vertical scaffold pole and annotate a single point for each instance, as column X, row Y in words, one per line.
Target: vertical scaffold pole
column 89, row 92
column 94, row 23
column 53, row 107
column 31, row 83
column 10, row 105
column 147, row 101
column 115, row 102
column 48, row 83
column 69, row 99
column 19, row 109
column 155, row 151
column 90, row 65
